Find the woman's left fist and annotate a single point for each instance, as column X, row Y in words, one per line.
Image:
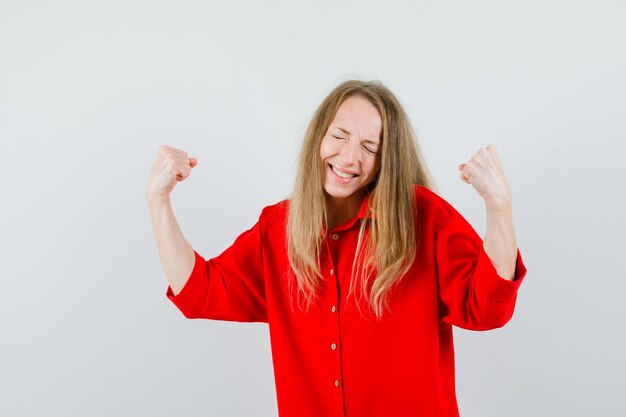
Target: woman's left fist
column 484, row 172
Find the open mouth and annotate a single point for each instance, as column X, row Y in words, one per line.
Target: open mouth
column 341, row 174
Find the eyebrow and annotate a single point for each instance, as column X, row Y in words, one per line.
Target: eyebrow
column 348, row 133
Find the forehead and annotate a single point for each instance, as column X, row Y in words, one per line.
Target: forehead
column 359, row 117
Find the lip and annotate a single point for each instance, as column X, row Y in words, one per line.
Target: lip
column 345, row 171
column 337, row 178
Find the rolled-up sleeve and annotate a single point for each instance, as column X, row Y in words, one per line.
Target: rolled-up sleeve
column 471, row 293
column 228, row 287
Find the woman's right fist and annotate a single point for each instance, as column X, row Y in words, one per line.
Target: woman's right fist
column 170, row 166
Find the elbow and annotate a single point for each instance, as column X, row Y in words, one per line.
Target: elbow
column 190, row 314
column 492, row 317
column 497, row 316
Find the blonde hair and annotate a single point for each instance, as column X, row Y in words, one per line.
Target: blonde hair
column 388, row 238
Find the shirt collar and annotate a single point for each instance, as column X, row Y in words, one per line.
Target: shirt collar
column 362, row 213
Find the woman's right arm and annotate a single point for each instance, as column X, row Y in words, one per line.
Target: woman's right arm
column 177, row 255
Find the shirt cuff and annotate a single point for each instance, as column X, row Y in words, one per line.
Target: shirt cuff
column 189, row 298
column 495, row 287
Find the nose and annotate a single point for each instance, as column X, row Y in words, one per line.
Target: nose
column 350, row 153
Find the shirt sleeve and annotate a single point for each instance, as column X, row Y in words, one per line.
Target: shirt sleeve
column 471, row 293
column 228, row 287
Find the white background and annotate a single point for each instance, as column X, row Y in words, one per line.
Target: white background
column 89, row 90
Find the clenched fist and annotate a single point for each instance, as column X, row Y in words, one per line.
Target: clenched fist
column 170, row 166
column 484, row 172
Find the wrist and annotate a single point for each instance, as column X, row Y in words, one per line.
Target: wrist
column 498, row 204
column 157, row 200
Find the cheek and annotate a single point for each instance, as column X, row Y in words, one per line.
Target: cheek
column 325, row 150
column 371, row 168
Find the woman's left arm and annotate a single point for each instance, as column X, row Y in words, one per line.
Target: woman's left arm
column 484, row 172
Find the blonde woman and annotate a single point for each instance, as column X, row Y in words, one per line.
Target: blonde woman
column 362, row 273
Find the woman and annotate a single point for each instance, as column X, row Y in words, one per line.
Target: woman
column 362, row 273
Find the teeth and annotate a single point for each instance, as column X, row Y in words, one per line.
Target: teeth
column 341, row 174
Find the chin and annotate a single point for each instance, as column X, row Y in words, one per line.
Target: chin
column 341, row 194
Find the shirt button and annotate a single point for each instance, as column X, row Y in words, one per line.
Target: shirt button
column 336, row 382
column 335, row 236
column 332, row 272
column 333, row 309
column 333, row 346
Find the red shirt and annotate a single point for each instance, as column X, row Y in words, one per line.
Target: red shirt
column 332, row 361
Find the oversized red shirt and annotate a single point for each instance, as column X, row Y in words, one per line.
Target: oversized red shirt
column 334, row 360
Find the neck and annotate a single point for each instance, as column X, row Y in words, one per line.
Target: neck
column 340, row 210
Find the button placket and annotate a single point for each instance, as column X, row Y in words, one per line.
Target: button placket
column 334, row 351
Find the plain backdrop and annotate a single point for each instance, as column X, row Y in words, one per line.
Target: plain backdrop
column 90, row 90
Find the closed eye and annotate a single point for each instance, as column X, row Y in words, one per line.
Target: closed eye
column 372, row 151
column 369, row 150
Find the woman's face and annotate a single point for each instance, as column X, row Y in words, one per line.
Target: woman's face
column 350, row 149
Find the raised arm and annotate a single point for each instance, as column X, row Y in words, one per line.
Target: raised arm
column 177, row 255
column 484, row 172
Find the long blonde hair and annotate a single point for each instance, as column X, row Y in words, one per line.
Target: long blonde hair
column 388, row 238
